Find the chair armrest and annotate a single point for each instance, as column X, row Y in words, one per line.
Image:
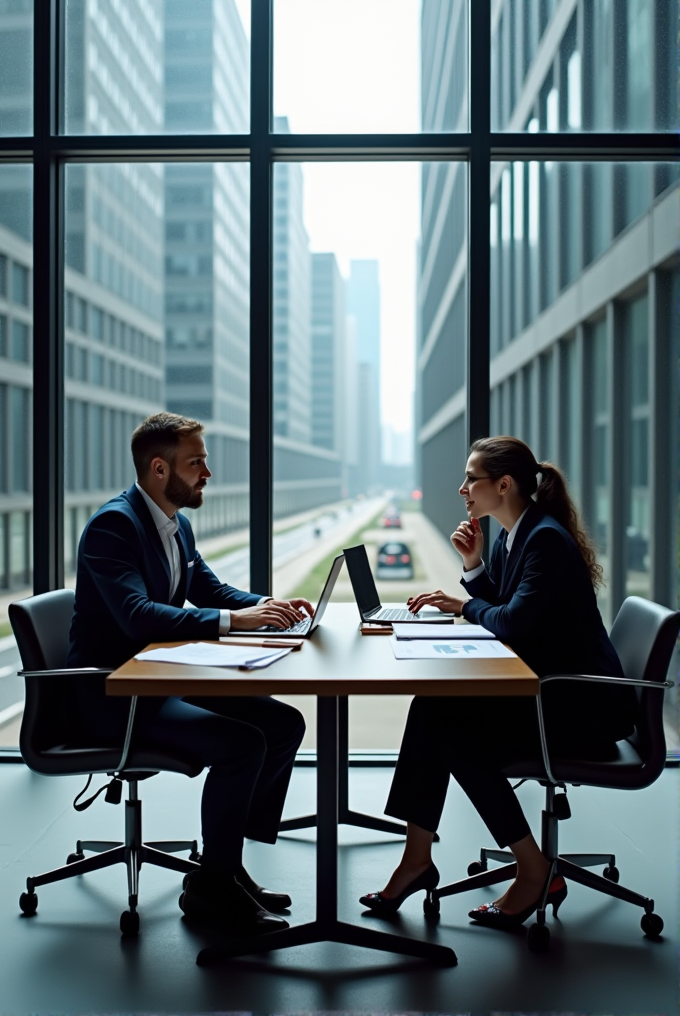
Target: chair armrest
column 593, row 678
column 88, row 672
column 66, row 672
column 606, row 680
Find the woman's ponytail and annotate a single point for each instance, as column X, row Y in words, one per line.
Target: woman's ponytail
column 509, row 455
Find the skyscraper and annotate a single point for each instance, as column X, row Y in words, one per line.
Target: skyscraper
column 363, row 305
column 292, row 305
column 206, row 249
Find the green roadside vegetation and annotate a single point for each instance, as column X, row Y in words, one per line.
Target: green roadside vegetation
column 313, row 582
column 5, row 629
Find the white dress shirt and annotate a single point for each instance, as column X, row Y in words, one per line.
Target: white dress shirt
column 475, row 572
column 167, row 526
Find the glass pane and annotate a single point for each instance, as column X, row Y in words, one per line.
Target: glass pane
column 378, row 66
column 360, row 295
column 16, row 67
column 584, row 326
column 599, row 65
column 157, row 269
column 16, row 426
column 158, row 66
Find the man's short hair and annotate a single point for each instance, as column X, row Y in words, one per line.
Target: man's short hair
column 160, row 435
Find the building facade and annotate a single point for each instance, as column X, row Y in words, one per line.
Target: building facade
column 585, row 286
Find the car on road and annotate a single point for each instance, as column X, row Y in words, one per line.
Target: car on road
column 391, row 518
column 394, row 562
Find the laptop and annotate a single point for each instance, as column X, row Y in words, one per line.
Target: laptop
column 305, row 627
column 368, row 601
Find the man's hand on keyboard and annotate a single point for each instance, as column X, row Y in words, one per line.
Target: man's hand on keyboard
column 278, row 613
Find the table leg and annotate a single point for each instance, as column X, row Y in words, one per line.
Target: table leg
column 345, row 814
column 326, row 927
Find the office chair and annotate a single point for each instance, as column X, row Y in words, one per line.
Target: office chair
column 644, row 635
column 53, row 743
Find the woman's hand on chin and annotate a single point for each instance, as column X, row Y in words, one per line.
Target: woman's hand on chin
column 447, row 604
column 468, row 540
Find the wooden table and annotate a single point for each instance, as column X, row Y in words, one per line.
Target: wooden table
column 337, row 661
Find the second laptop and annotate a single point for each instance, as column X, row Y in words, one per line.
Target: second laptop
column 368, row 601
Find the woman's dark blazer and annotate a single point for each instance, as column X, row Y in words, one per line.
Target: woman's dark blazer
column 539, row 599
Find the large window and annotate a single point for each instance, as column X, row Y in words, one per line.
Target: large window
column 350, row 237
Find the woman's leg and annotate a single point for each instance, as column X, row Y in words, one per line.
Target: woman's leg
column 532, row 871
column 418, row 790
column 472, row 739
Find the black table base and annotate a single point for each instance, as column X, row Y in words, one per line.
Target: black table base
column 345, row 814
column 327, row 927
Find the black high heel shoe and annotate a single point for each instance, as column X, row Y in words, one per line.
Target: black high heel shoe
column 380, row 904
column 493, row 917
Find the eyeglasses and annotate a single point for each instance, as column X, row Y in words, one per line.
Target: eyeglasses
column 469, row 480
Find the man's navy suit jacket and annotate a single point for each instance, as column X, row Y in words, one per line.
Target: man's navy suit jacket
column 539, row 599
column 123, row 587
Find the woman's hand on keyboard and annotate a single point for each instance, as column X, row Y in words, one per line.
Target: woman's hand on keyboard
column 447, row 604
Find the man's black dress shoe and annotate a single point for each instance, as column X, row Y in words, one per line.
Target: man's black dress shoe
column 493, row 917
column 225, row 904
column 380, row 904
column 267, row 898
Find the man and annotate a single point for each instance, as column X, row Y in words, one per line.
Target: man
column 137, row 564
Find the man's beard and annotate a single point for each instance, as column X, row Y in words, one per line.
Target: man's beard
column 181, row 494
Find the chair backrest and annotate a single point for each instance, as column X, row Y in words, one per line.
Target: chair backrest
column 644, row 635
column 41, row 627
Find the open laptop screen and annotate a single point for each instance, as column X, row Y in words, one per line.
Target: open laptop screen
column 327, row 590
column 361, row 578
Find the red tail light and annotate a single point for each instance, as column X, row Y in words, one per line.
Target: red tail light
column 404, row 558
column 390, row 559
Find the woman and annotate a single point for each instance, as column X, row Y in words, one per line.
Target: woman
column 538, row 597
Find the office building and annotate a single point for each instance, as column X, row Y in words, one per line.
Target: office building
column 113, row 355
column 363, row 306
column 205, row 54
column 584, row 277
column 307, row 471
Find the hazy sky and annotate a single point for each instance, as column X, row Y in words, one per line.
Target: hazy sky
column 353, row 66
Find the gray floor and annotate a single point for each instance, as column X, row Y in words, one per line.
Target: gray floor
column 70, row 958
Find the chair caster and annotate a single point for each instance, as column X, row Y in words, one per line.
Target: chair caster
column 475, row 868
column 28, row 904
column 431, row 907
column 77, row 856
column 195, row 855
column 611, row 873
column 539, row 937
column 652, row 925
column 129, row 923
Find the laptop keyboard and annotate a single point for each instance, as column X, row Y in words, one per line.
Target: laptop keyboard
column 297, row 629
column 395, row 614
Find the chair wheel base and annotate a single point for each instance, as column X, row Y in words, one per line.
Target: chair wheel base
column 129, row 923
column 611, row 873
column 28, row 904
column 539, row 937
column 652, row 925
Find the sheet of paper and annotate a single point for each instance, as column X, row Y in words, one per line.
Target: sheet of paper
column 450, row 649
column 204, row 655
column 434, row 631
